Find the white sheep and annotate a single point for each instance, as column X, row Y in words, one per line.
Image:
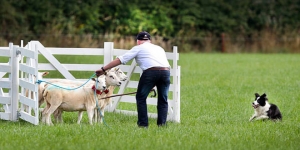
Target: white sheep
column 41, row 87
column 67, row 104
column 102, row 103
column 81, row 99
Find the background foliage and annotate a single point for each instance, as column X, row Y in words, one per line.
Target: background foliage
column 195, row 25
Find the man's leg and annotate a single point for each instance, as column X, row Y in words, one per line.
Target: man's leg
column 162, row 101
column 146, row 83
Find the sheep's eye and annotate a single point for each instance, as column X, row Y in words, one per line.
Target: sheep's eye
column 112, row 77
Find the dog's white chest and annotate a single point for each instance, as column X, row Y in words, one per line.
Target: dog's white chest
column 262, row 110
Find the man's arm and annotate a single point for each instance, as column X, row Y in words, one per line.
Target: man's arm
column 112, row 64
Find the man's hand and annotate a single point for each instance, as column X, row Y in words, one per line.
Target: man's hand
column 99, row 72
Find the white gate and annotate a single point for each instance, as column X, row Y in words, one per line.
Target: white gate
column 7, row 87
column 10, row 100
column 28, row 97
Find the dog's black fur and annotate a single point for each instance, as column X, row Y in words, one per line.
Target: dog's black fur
column 265, row 110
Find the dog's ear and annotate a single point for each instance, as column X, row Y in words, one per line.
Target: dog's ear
column 265, row 96
column 256, row 95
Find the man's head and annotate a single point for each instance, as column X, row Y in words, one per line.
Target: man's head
column 143, row 36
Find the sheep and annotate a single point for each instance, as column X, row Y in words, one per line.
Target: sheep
column 119, row 73
column 40, row 89
column 102, row 103
column 81, row 99
column 111, row 78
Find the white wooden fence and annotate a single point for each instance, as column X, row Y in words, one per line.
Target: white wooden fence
column 7, row 111
column 22, row 61
column 108, row 53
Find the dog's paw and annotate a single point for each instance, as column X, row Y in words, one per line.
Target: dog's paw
column 251, row 119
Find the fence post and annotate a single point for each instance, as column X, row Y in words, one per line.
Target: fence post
column 108, row 52
column 176, row 91
column 14, row 92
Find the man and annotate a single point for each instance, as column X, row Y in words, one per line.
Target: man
column 156, row 72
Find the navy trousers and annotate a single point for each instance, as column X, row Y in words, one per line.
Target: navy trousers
column 148, row 80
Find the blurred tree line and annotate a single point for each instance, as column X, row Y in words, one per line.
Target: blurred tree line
column 194, row 25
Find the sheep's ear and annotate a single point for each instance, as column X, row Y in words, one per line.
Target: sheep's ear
column 256, row 95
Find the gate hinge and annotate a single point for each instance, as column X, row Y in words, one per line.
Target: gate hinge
column 18, row 52
column 18, row 114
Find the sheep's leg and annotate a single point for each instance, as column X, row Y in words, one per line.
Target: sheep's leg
column 55, row 115
column 49, row 112
column 101, row 116
column 41, row 113
column 58, row 115
column 95, row 115
column 79, row 116
column 41, row 101
column 90, row 112
column 44, row 112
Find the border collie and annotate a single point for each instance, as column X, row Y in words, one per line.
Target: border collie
column 264, row 110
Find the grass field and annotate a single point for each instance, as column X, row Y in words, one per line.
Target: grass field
column 216, row 95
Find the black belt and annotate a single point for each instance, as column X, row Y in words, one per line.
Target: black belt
column 158, row 68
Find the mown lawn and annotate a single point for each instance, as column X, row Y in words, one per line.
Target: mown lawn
column 216, row 95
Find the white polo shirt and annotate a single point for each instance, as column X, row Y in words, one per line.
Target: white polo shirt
column 147, row 55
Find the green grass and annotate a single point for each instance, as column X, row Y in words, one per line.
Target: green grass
column 216, row 95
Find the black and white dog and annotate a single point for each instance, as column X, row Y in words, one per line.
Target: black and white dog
column 264, row 110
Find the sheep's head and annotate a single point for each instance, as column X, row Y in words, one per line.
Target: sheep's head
column 119, row 73
column 100, row 83
column 112, row 79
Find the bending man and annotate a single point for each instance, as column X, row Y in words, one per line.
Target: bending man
column 152, row 60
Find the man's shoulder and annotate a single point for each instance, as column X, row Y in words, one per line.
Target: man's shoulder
column 147, row 45
column 155, row 45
